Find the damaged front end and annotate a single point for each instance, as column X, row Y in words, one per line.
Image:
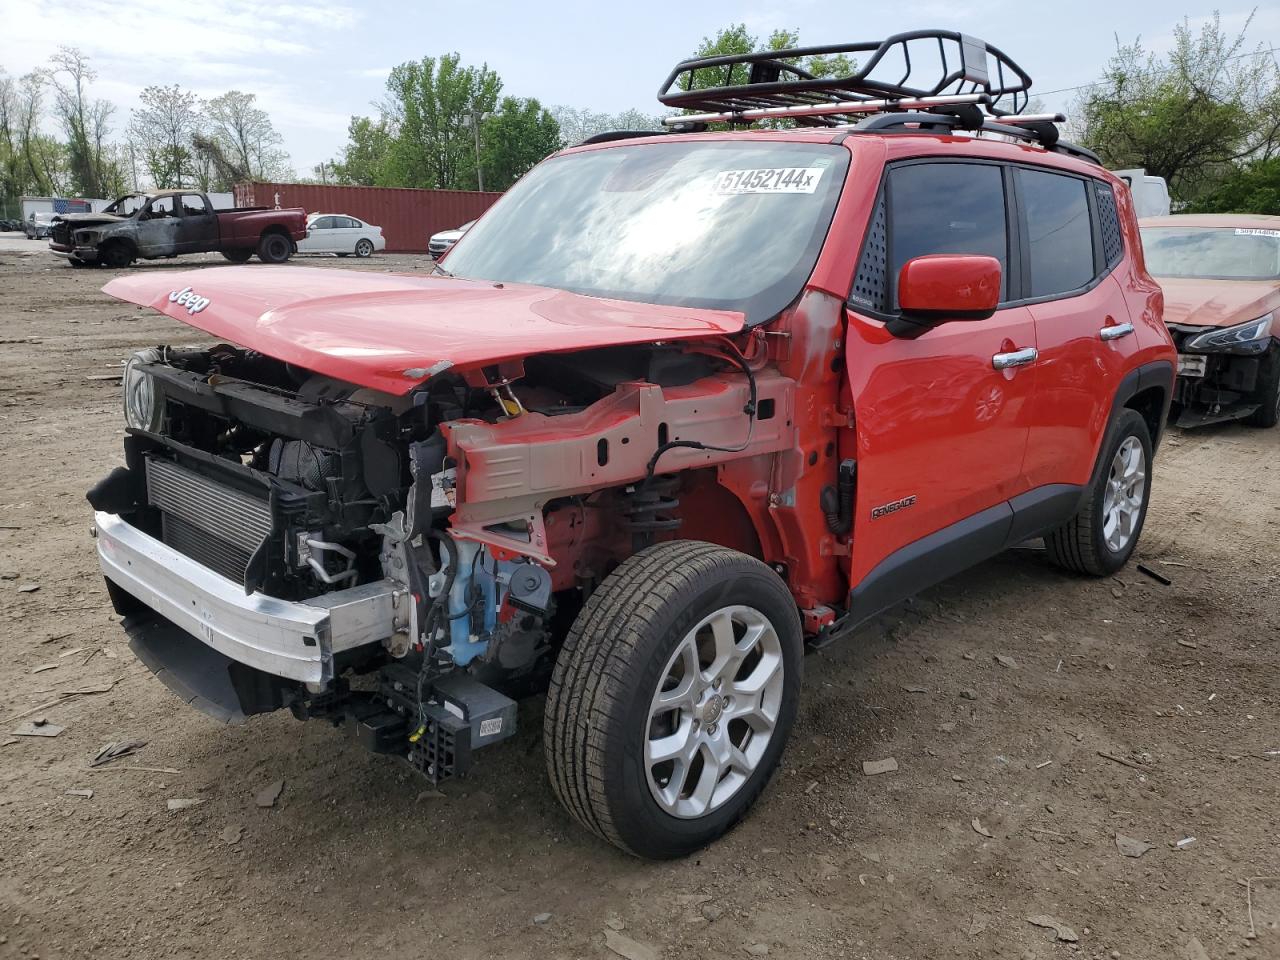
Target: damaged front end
column 278, row 539
column 1224, row 373
column 401, row 564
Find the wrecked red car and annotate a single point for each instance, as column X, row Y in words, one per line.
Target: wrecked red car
column 679, row 407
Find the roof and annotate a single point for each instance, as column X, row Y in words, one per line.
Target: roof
column 1213, row 220
column 901, row 143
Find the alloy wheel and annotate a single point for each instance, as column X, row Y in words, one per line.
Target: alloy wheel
column 714, row 712
column 1125, row 494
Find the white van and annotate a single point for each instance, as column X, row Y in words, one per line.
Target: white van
column 1150, row 194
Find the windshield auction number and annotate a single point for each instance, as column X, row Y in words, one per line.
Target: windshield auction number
column 769, row 180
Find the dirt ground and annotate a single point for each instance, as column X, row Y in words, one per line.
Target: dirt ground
column 1127, row 708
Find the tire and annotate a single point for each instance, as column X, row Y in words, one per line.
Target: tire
column 1119, row 492
column 116, row 255
column 238, row 255
column 1268, row 414
column 274, row 248
column 364, row 248
column 636, row 634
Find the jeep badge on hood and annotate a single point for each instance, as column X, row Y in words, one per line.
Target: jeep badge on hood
column 186, row 297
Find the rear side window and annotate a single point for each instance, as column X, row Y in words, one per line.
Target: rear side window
column 1059, row 233
column 1109, row 221
column 946, row 208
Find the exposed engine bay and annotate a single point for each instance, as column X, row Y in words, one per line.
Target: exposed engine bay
column 307, row 490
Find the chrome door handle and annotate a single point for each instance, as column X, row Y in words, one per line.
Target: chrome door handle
column 1116, row 332
column 1016, row 358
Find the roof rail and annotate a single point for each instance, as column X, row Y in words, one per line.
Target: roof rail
column 913, row 70
column 1038, row 128
column 611, row 135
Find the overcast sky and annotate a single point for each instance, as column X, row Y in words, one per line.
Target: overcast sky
column 315, row 64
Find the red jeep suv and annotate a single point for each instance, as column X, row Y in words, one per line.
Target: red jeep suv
column 674, row 408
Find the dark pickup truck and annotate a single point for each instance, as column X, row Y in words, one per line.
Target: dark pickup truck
column 148, row 226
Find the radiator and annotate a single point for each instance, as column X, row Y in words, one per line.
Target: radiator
column 212, row 524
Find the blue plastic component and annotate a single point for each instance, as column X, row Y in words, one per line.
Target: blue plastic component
column 479, row 589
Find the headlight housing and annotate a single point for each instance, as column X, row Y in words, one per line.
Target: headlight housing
column 143, row 405
column 1247, row 338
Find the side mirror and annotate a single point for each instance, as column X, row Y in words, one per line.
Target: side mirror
column 942, row 287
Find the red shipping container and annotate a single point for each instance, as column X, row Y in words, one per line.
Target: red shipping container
column 407, row 217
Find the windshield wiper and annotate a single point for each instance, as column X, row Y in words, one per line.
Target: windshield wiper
column 436, row 268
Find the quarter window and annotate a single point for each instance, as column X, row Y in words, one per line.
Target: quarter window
column 947, row 208
column 1059, row 234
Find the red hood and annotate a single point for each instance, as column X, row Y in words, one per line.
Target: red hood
column 390, row 332
column 1217, row 303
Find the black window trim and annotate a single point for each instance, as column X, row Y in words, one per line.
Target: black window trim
column 1019, row 256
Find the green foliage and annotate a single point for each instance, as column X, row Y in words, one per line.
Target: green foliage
column 518, row 135
column 735, row 39
column 85, row 122
column 433, row 107
column 443, row 126
column 1191, row 116
column 364, row 161
column 1251, row 188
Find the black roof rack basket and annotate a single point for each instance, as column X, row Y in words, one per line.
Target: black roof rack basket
column 926, row 69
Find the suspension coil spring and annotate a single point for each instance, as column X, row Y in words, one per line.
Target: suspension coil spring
column 649, row 507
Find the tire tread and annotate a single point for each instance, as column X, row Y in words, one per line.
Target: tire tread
column 595, row 665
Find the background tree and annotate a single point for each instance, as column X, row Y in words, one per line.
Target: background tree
column 514, row 138
column 431, row 106
column 442, row 125
column 1192, row 116
column 163, row 128
column 1250, row 188
column 736, row 39
column 248, row 145
column 364, row 159
column 84, row 120
column 577, row 124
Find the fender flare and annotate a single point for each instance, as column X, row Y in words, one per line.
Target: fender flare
column 1158, row 373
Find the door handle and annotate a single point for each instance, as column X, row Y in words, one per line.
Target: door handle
column 1015, row 358
column 1116, row 331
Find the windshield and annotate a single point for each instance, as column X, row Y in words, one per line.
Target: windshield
column 727, row 225
column 1216, row 253
column 127, row 205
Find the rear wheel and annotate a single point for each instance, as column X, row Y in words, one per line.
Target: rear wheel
column 1102, row 535
column 274, row 248
column 1268, row 414
column 364, row 248
column 238, row 255
column 673, row 697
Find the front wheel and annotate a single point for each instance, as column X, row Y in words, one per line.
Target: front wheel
column 274, row 248
column 116, row 255
column 364, row 248
column 1102, row 535
column 673, row 697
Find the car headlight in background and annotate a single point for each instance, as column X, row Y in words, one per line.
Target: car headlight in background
column 1247, row 338
column 143, row 406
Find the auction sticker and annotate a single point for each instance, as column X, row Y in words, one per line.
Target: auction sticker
column 1256, row 232
column 769, row 180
